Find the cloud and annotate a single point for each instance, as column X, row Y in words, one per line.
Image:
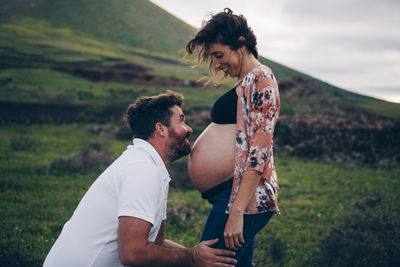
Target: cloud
column 341, row 10
column 353, row 44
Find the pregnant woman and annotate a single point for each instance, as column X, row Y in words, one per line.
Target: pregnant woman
column 232, row 161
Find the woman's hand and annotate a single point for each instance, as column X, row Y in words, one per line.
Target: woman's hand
column 233, row 234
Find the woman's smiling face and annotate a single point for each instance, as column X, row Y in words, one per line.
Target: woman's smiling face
column 225, row 59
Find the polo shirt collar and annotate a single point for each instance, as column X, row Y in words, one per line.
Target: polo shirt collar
column 146, row 146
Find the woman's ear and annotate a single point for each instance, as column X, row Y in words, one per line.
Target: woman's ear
column 242, row 39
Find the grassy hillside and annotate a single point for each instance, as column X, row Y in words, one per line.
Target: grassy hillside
column 342, row 97
column 42, row 59
column 38, row 197
column 45, row 47
column 136, row 23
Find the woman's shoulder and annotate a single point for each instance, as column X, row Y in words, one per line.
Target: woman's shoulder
column 259, row 72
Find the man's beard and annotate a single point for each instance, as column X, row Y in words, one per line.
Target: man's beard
column 178, row 146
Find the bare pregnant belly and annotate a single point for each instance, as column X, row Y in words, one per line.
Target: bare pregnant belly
column 212, row 159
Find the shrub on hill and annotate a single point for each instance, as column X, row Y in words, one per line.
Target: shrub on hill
column 123, row 132
column 369, row 235
column 16, row 259
column 179, row 174
column 21, row 142
column 353, row 140
column 89, row 159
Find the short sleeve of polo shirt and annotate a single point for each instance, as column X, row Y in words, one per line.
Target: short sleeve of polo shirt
column 140, row 192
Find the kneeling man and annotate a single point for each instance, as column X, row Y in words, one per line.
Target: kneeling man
column 120, row 220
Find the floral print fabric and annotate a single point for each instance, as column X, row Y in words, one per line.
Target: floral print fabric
column 257, row 113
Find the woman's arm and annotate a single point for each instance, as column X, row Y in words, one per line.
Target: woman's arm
column 258, row 102
column 233, row 234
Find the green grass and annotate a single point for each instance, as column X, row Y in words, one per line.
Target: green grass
column 388, row 109
column 35, row 46
column 41, row 85
column 312, row 195
column 49, row 86
column 35, row 203
column 127, row 22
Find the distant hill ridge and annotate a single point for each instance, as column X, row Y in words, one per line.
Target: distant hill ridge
column 42, row 33
column 136, row 23
column 84, row 60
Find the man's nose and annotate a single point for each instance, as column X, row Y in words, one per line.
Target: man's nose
column 189, row 129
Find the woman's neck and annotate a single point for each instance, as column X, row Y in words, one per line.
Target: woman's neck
column 248, row 63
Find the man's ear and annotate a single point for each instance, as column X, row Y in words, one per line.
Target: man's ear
column 161, row 129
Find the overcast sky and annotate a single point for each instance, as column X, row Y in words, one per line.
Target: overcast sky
column 353, row 44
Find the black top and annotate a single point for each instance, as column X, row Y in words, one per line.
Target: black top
column 224, row 109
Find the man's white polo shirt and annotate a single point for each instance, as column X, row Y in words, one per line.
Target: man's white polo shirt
column 135, row 185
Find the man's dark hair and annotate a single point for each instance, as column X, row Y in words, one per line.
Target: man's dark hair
column 223, row 28
column 143, row 115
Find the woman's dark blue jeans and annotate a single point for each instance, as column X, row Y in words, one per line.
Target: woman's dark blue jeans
column 215, row 227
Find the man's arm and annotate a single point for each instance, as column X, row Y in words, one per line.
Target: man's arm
column 134, row 249
column 161, row 241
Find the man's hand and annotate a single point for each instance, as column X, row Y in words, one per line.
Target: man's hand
column 204, row 255
column 233, row 234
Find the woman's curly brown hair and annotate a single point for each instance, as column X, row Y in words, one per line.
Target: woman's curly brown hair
column 223, row 28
